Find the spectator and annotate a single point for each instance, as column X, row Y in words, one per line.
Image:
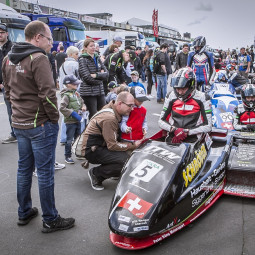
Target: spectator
column 141, row 56
column 35, row 121
column 135, row 81
column 182, row 57
column 244, row 63
column 71, row 107
column 92, row 73
column 5, row 47
column 112, row 95
column 161, row 72
column 59, row 45
column 60, row 57
column 147, row 63
column 101, row 144
column 116, row 40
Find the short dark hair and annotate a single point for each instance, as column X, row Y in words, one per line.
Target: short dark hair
column 242, row 48
column 61, row 47
column 163, row 46
column 34, row 28
column 185, row 45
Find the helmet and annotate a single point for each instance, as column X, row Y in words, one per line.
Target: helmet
column 248, row 90
column 233, row 62
column 184, row 78
column 199, row 41
column 222, row 77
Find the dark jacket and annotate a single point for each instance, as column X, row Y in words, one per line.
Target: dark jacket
column 29, row 86
column 168, row 64
column 181, row 60
column 87, row 66
column 3, row 52
column 114, row 63
column 161, row 59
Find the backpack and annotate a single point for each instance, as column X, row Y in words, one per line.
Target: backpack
column 156, row 65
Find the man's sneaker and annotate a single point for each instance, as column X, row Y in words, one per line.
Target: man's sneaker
column 33, row 213
column 10, row 139
column 79, row 157
column 59, row 166
column 62, row 143
column 58, row 224
column 35, row 173
column 69, row 160
column 95, row 183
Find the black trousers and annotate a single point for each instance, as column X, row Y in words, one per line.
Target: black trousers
column 111, row 162
column 150, row 82
column 94, row 103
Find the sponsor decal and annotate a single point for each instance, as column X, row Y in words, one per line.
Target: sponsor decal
column 136, row 229
column 159, row 152
column 124, row 244
column 208, row 141
column 123, row 227
column 124, row 218
column 135, row 204
column 185, row 107
column 146, row 170
column 140, row 222
column 226, row 116
column 214, row 194
column 245, row 151
column 195, row 165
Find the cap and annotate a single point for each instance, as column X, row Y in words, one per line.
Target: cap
column 71, row 79
column 117, row 39
column 135, row 73
column 113, row 84
column 3, row 27
column 139, row 94
column 138, row 48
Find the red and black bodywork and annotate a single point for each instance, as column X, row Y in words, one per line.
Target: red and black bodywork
column 164, row 187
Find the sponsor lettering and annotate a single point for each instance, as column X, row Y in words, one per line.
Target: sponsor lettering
column 146, row 170
column 123, row 227
column 195, row 165
column 214, row 194
column 124, row 218
column 199, row 199
column 140, row 222
column 136, row 229
column 159, row 152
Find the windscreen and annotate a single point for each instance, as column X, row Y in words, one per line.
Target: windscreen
column 16, row 35
column 76, row 35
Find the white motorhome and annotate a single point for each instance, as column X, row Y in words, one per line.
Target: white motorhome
column 15, row 23
column 105, row 38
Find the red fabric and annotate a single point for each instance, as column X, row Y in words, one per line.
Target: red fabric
column 179, row 135
column 135, row 121
column 248, row 118
column 186, row 108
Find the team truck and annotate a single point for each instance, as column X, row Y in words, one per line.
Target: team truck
column 66, row 30
column 105, row 38
column 15, row 23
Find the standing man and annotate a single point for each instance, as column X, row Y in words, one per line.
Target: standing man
column 142, row 56
column 5, row 47
column 182, row 57
column 201, row 61
column 60, row 58
column 244, row 63
column 116, row 40
column 30, row 87
column 161, row 72
column 100, row 140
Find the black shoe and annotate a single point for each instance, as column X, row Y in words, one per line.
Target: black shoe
column 33, row 213
column 58, row 224
column 95, row 183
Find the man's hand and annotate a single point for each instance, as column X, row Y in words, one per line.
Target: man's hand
column 144, row 132
column 1, row 86
column 179, row 135
column 93, row 75
column 138, row 142
column 84, row 108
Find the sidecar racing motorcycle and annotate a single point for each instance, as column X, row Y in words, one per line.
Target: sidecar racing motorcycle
column 164, row 187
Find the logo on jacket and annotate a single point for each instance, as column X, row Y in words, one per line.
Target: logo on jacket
column 185, row 107
column 134, row 204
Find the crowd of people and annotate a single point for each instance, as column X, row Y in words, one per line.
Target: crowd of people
column 104, row 94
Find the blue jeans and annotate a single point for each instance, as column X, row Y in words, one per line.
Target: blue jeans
column 161, row 85
column 37, row 147
column 72, row 132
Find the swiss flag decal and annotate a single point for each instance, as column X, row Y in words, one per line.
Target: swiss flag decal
column 135, row 204
column 227, row 125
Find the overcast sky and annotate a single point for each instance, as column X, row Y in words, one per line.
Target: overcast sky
column 224, row 23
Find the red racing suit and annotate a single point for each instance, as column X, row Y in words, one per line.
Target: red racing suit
column 243, row 116
column 193, row 114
